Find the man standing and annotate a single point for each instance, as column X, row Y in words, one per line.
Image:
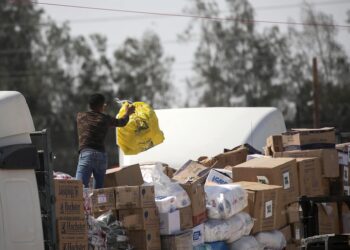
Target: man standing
column 92, row 129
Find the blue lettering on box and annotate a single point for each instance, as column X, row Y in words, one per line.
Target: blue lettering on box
column 218, row 180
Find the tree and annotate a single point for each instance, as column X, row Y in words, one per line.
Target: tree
column 142, row 72
column 234, row 64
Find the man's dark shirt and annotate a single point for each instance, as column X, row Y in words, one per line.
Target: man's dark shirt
column 93, row 127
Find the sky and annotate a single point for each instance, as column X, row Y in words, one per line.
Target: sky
column 117, row 26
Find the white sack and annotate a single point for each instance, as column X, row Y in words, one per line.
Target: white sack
column 273, row 240
column 245, row 243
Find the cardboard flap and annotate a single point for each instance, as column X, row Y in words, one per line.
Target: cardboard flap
column 191, row 172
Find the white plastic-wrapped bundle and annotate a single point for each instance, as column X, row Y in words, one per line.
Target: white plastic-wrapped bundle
column 166, row 204
column 228, row 230
column 224, row 201
column 273, row 240
column 164, row 186
column 245, row 243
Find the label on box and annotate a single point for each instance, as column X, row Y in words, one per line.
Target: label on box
column 198, row 235
column 268, row 209
column 346, row 174
column 347, row 190
column 343, row 158
column 217, row 177
column 286, row 180
column 101, row 198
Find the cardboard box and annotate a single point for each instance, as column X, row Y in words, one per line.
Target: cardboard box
column 139, row 218
column 345, row 218
column 135, row 196
column 145, row 240
column 292, row 246
column 73, row 244
column 198, row 235
column 72, row 230
column 328, row 157
column 293, row 213
column 103, row 199
column 275, row 171
column 69, row 209
column 310, row 177
column 297, row 232
column 126, row 176
column 274, row 143
column 186, row 218
column 181, row 241
column 287, row 232
column 231, row 158
column 191, row 172
column 302, row 139
column 263, row 205
column 191, row 177
column 219, row 177
column 328, row 219
column 169, row 222
column 68, row 189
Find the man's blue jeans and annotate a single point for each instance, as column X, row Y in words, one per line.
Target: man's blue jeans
column 92, row 162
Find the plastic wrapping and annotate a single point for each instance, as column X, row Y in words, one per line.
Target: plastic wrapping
column 87, row 194
column 165, row 187
column 61, row 176
column 142, row 131
column 273, row 240
column 228, row 230
column 107, row 233
column 224, row 201
column 166, row 204
column 246, row 243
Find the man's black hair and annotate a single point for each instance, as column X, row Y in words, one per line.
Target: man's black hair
column 96, row 101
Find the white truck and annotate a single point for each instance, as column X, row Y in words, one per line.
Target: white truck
column 26, row 194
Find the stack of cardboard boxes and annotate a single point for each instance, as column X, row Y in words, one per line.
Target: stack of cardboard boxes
column 133, row 203
column 71, row 222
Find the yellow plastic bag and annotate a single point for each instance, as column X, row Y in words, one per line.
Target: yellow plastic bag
column 142, row 131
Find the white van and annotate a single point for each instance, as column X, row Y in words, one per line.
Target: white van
column 193, row 132
column 20, row 215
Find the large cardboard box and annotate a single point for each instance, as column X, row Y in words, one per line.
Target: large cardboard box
column 328, row 219
column 103, row 199
column 310, row 177
column 69, row 209
column 134, row 196
column 186, row 221
column 126, row 176
column 139, row 218
column 145, row 240
column 72, row 230
column 181, row 241
column 329, row 159
column 73, row 245
column 274, row 143
column 263, row 205
column 169, row 223
column 275, row 171
column 68, row 189
column 301, row 139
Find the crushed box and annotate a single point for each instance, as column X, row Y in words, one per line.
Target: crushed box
column 275, row 171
